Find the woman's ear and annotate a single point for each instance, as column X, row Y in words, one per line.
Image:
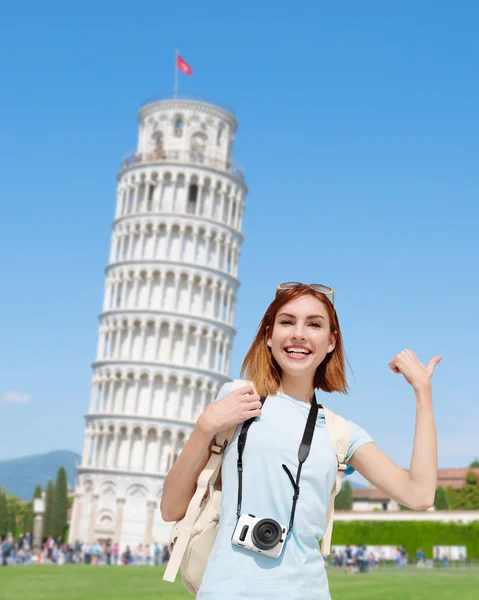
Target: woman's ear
column 268, row 336
column 332, row 341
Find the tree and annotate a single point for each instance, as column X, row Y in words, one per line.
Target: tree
column 474, row 464
column 60, row 505
column 344, row 500
column 37, row 492
column 468, row 495
column 28, row 519
column 12, row 522
column 3, row 514
column 47, row 523
column 441, row 501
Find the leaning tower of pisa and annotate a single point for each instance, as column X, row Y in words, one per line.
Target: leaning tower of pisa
column 166, row 328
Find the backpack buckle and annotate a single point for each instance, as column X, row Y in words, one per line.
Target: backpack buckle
column 219, row 449
column 342, row 466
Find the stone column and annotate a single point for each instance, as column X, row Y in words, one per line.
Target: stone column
column 239, row 222
column 221, row 205
column 91, row 454
column 86, row 448
column 216, row 352
column 142, row 242
column 223, row 356
column 114, row 246
column 228, row 359
column 108, row 391
column 76, row 516
column 143, row 332
column 234, row 260
column 209, row 340
column 203, row 289
column 129, row 341
column 93, row 517
column 195, row 244
column 101, row 344
column 149, row 288
column 228, row 306
column 117, row 448
column 230, row 212
column 120, row 504
column 149, row 522
column 103, row 457
column 219, row 243
column 136, row 196
column 119, row 248
column 123, row 293
column 171, row 331
column 197, row 347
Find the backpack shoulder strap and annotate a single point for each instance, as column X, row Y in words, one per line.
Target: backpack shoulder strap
column 206, row 480
column 338, row 431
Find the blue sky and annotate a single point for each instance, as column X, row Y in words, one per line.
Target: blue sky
column 359, row 136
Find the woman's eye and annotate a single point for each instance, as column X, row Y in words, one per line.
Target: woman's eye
column 285, row 322
column 316, row 324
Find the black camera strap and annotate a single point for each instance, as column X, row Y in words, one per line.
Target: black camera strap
column 303, row 454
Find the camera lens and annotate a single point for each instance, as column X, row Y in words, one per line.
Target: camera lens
column 266, row 534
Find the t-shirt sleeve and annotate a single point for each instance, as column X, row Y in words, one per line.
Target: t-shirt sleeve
column 357, row 437
column 225, row 389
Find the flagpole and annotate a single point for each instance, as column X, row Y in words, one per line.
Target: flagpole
column 176, row 74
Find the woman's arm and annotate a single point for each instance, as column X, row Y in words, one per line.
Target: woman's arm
column 181, row 481
column 415, row 488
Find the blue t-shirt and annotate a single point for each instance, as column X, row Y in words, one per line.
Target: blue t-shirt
column 234, row 573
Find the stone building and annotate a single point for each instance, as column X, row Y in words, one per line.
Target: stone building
column 166, row 328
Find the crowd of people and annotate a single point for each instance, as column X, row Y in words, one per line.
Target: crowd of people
column 359, row 560
column 20, row 552
column 54, row 551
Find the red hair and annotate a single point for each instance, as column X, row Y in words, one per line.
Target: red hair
column 262, row 369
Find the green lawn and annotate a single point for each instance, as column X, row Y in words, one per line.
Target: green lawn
column 48, row 582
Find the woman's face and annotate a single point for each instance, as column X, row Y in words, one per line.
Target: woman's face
column 301, row 336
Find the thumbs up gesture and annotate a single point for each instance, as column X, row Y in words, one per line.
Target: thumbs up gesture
column 414, row 372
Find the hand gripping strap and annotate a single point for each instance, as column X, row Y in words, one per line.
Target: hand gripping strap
column 206, row 479
column 338, row 431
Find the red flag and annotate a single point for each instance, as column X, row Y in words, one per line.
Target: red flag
column 182, row 65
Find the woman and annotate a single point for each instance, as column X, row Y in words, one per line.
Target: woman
column 298, row 348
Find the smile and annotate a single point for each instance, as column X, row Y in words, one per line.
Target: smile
column 297, row 353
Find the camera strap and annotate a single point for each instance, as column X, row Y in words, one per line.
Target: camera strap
column 303, row 454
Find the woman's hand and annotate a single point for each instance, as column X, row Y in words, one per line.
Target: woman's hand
column 414, row 372
column 235, row 408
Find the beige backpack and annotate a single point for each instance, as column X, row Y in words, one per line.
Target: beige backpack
column 192, row 538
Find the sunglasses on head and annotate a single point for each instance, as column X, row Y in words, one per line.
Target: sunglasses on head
column 289, row 285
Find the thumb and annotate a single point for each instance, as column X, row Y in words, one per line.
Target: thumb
column 433, row 364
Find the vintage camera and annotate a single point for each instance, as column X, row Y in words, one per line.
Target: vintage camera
column 265, row 536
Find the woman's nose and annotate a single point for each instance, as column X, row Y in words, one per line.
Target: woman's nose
column 298, row 333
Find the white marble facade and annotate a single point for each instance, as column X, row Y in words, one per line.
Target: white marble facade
column 166, row 329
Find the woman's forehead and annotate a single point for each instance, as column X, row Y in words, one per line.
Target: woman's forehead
column 304, row 306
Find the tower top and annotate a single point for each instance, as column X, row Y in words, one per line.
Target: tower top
column 188, row 102
column 186, row 130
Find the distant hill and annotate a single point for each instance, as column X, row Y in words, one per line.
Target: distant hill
column 355, row 484
column 19, row 476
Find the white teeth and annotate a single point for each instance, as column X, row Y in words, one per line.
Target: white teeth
column 298, row 351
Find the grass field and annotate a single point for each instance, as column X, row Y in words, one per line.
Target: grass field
column 48, row 582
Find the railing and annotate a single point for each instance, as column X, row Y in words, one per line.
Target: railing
column 184, row 156
column 193, row 98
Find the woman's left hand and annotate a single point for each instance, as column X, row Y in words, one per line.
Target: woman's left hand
column 414, row 372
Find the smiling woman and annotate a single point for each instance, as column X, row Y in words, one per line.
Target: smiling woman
column 304, row 318
column 297, row 349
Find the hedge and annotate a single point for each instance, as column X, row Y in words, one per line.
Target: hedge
column 410, row 534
